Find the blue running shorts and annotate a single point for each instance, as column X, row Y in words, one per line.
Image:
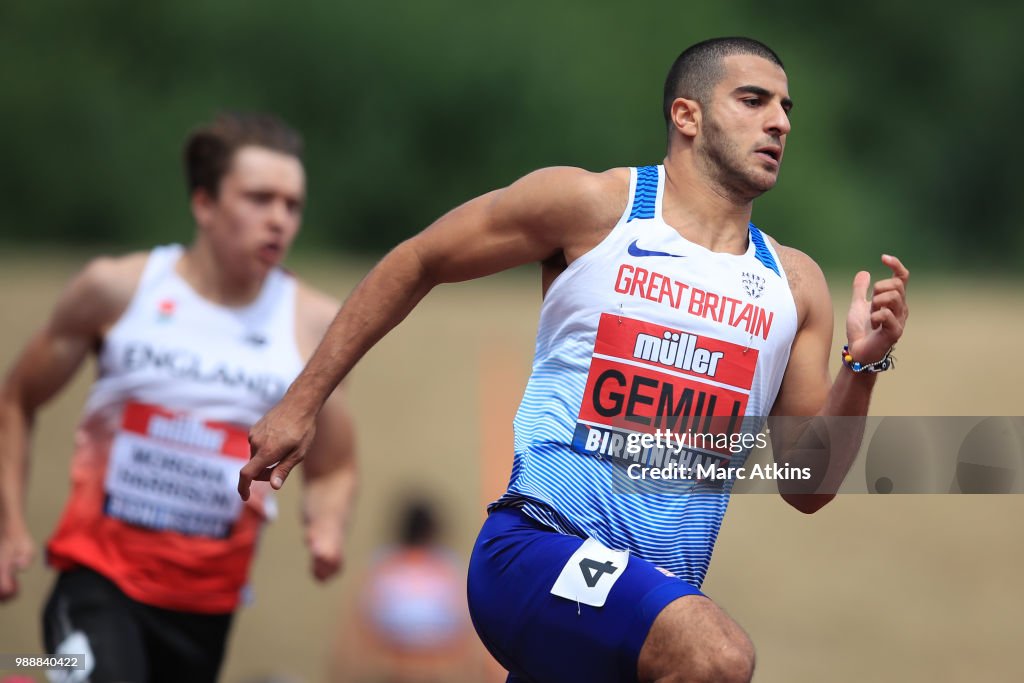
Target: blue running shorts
column 542, row 638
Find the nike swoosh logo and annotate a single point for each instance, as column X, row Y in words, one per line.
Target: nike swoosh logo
column 637, row 251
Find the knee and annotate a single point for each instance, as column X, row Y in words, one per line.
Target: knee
column 694, row 641
column 733, row 662
column 728, row 661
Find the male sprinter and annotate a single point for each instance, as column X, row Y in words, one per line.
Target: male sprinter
column 194, row 344
column 663, row 303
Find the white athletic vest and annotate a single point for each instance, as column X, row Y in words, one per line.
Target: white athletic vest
column 154, row 504
column 175, row 349
column 649, row 331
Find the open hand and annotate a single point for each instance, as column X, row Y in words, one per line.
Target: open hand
column 874, row 325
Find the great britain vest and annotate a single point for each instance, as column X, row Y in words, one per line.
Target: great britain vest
column 649, row 332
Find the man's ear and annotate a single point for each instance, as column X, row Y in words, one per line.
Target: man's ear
column 202, row 205
column 686, row 116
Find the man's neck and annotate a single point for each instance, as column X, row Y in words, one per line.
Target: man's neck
column 213, row 281
column 702, row 212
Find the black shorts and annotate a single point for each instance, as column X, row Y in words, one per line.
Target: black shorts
column 130, row 642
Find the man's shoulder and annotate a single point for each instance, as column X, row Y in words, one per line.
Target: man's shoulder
column 583, row 178
column 100, row 293
column 107, row 268
column 113, row 278
column 589, row 203
column 587, row 180
column 806, row 279
column 795, row 260
column 594, row 187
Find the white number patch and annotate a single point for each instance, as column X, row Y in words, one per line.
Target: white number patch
column 590, row 573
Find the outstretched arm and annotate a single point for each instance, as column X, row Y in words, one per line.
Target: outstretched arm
column 92, row 301
column 545, row 212
column 873, row 326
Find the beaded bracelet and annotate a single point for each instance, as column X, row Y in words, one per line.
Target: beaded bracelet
column 887, row 362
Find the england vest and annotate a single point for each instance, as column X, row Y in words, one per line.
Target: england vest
column 153, row 504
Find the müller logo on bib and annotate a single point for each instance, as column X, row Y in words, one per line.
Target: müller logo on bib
column 678, row 350
column 673, row 353
column 184, row 430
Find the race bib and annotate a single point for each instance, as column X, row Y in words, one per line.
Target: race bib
column 648, row 379
column 590, row 573
column 174, row 472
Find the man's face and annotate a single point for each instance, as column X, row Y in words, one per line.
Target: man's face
column 254, row 218
column 744, row 126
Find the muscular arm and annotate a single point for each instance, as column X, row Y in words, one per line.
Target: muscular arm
column 872, row 326
column 92, row 301
column 549, row 211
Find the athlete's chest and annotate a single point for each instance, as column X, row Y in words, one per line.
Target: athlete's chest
column 737, row 300
column 187, row 354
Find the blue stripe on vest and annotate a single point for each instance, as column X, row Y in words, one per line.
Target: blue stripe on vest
column 761, row 252
column 646, row 193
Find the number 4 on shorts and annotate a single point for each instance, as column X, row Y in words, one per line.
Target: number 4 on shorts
column 582, row 578
column 593, row 570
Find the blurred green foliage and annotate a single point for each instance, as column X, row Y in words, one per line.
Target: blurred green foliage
column 904, row 134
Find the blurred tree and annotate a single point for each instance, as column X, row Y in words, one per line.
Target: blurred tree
column 903, row 138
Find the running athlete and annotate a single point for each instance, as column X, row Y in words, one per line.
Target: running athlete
column 663, row 307
column 193, row 344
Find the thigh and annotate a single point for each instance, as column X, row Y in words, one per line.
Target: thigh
column 88, row 615
column 184, row 646
column 542, row 638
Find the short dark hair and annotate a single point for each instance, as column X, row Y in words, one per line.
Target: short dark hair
column 210, row 148
column 698, row 68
